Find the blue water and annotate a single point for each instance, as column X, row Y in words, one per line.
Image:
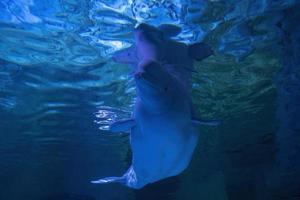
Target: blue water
column 59, row 90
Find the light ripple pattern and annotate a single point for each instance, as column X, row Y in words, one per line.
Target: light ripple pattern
column 36, row 32
column 59, row 90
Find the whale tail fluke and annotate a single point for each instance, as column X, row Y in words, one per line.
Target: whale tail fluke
column 200, row 51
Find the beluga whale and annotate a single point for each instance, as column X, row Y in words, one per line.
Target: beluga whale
column 163, row 128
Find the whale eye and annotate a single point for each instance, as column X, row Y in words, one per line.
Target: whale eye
column 166, row 88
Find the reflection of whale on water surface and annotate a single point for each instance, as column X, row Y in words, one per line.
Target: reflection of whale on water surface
column 163, row 129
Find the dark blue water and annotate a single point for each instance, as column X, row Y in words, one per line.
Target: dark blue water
column 59, row 90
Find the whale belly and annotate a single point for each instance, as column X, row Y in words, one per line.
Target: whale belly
column 161, row 151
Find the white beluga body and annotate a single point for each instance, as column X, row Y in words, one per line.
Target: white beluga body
column 163, row 131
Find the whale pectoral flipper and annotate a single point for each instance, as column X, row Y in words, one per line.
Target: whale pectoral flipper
column 120, row 179
column 122, row 125
column 206, row 122
column 129, row 179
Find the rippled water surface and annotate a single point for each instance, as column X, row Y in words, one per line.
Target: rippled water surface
column 59, row 90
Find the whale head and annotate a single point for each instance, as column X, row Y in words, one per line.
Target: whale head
column 155, row 86
column 149, row 41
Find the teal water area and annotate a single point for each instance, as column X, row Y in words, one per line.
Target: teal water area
column 60, row 89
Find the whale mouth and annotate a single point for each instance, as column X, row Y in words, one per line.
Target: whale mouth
column 146, row 81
